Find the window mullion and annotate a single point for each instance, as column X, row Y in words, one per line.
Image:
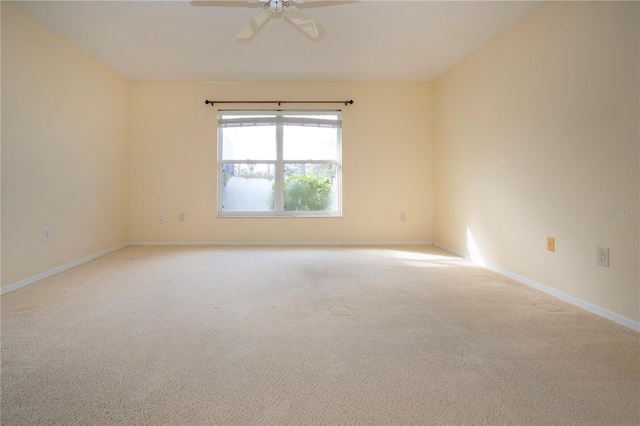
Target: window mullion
column 279, row 169
column 220, row 178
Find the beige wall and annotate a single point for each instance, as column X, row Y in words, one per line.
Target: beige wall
column 64, row 150
column 536, row 135
column 386, row 163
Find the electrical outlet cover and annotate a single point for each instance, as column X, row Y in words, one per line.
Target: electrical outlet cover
column 603, row 256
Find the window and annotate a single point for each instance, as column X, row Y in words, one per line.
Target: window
column 279, row 163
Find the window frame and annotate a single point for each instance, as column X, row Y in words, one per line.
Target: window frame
column 280, row 163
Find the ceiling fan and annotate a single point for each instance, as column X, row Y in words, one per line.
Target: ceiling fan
column 289, row 9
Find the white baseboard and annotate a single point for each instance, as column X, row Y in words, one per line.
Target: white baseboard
column 611, row 316
column 452, row 251
column 280, row 243
column 57, row 270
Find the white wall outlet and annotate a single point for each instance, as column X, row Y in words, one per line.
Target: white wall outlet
column 403, row 216
column 46, row 234
column 161, row 219
column 603, row 256
column 182, row 216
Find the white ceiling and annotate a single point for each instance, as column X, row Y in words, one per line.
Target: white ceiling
column 367, row 40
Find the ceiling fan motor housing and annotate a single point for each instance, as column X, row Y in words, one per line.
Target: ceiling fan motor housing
column 276, row 6
column 281, row 8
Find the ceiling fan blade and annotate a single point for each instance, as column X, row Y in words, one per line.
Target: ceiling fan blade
column 225, row 3
column 305, row 4
column 304, row 24
column 254, row 26
column 308, row 4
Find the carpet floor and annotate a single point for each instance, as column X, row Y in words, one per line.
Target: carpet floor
column 306, row 335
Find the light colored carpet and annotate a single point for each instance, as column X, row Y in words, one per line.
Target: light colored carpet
column 295, row 335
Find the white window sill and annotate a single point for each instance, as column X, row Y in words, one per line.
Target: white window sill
column 293, row 215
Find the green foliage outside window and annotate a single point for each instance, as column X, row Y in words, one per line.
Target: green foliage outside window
column 306, row 193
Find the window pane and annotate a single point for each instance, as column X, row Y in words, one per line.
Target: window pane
column 310, row 143
column 248, row 187
column 310, row 187
column 249, row 143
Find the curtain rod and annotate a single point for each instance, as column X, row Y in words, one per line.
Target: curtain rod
column 349, row 102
